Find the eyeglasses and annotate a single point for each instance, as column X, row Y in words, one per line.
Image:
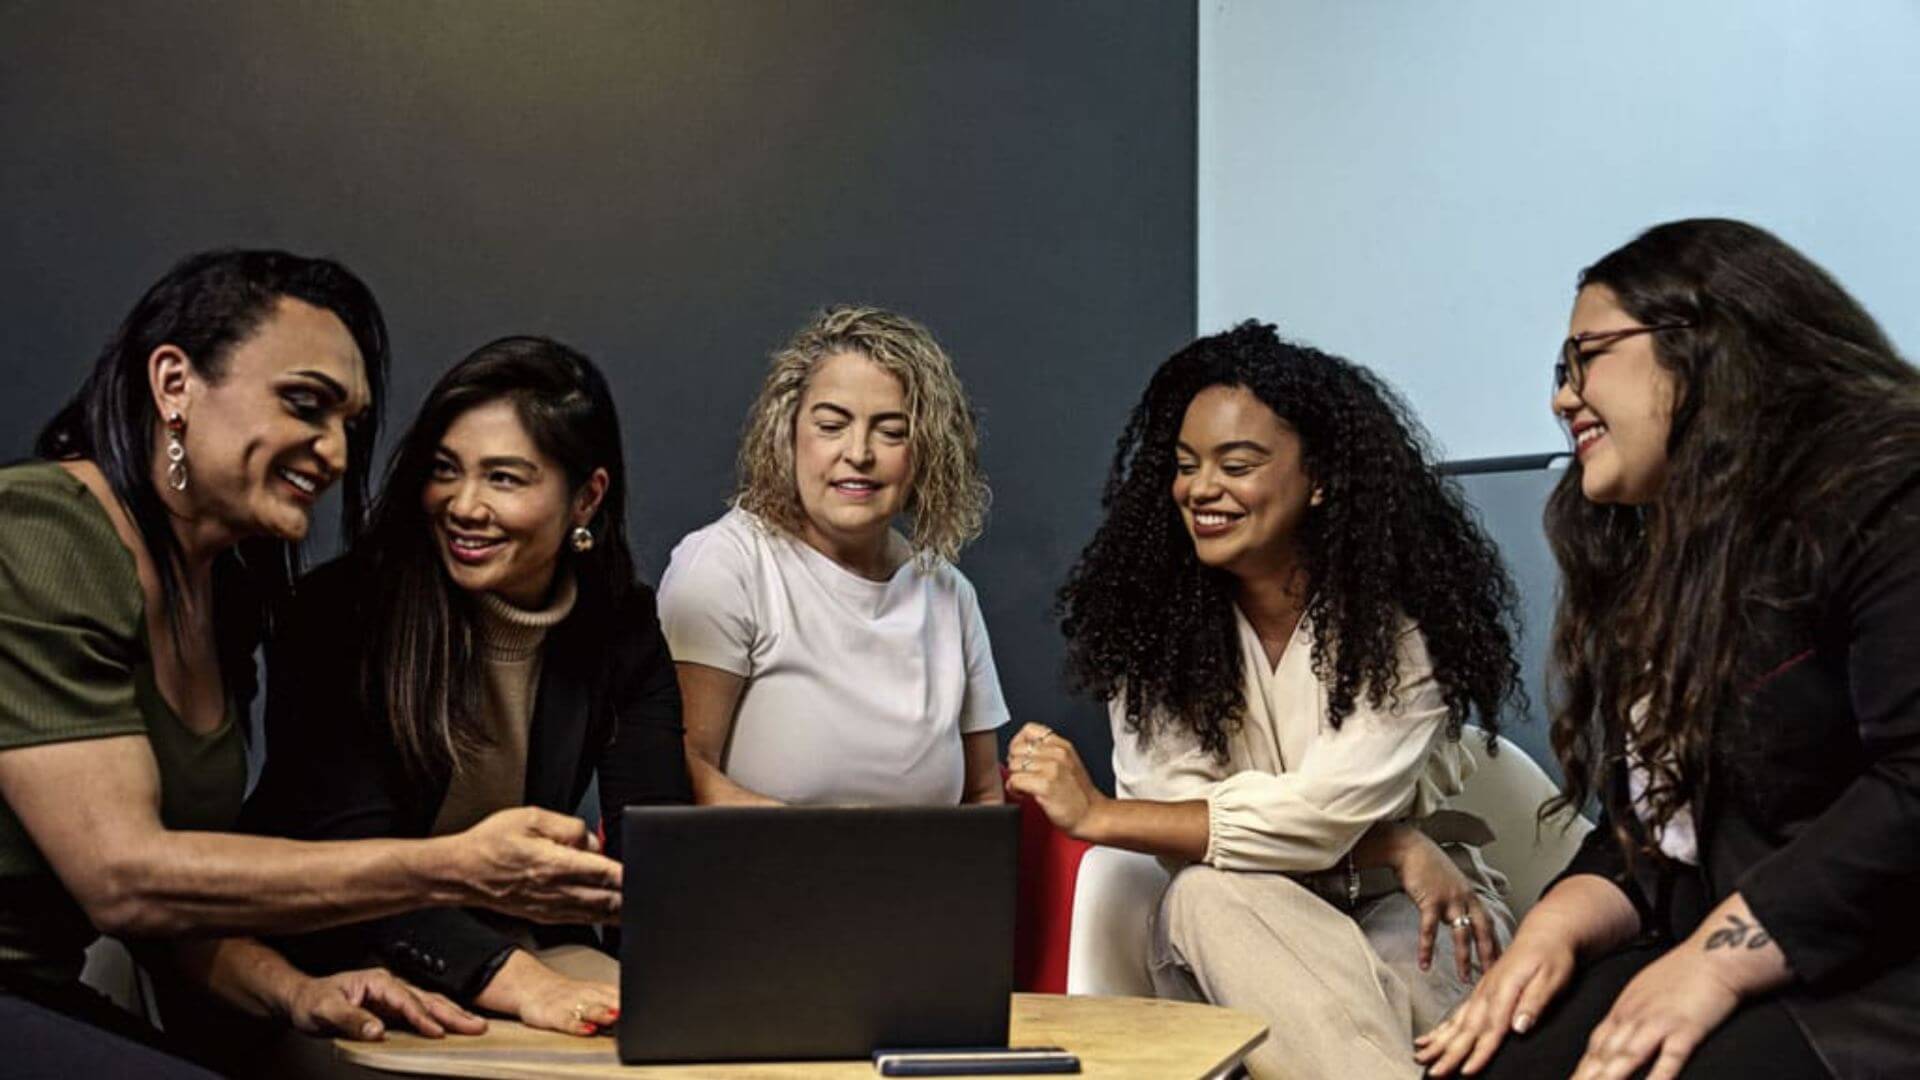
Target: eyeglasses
column 1571, row 369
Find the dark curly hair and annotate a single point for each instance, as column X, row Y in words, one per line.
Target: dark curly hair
column 1391, row 539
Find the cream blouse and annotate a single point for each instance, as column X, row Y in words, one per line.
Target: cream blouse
column 1294, row 794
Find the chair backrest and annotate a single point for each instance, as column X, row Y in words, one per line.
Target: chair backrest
column 1506, row 791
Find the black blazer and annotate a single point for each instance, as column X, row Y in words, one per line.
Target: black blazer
column 1812, row 807
column 607, row 703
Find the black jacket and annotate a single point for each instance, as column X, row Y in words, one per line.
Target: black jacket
column 607, row 703
column 1812, row 807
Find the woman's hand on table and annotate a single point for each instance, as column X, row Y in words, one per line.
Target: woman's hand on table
column 1043, row 766
column 541, row 997
column 360, row 1004
column 536, row 865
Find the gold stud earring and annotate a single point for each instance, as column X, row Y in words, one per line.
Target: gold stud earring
column 1319, row 496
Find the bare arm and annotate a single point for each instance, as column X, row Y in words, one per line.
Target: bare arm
column 1589, row 914
column 92, row 808
column 982, row 753
column 1042, row 765
column 708, row 697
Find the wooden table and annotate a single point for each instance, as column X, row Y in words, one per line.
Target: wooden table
column 1117, row 1038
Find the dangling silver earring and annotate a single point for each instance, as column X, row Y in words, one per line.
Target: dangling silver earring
column 1319, row 496
column 176, row 452
column 582, row 538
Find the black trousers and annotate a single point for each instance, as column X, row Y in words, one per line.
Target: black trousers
column 1758, row 1040
column 69, row 1032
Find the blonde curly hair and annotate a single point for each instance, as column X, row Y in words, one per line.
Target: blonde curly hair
column 947, row 496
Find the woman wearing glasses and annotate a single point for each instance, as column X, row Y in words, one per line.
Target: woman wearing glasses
column 1736, row 643
column 1290, row 615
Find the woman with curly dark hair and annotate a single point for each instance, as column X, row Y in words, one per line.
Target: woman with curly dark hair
column 1735, row 648
column 1289, row 645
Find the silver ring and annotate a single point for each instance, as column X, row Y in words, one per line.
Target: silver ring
column 1461, row 922
column 579, row 1012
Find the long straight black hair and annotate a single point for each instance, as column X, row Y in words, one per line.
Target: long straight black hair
column 416, row 668
column 205, row 306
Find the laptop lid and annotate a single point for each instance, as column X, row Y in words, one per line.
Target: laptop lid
column 792, row 933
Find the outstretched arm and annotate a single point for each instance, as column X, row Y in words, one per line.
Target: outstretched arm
column 92, row 808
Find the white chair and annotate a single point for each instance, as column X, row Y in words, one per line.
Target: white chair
column 1506, row 792
column 1116, row 891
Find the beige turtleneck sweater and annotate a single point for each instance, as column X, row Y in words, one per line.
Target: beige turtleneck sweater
column 509, row 653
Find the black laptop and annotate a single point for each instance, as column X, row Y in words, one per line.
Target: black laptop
column 794, row 933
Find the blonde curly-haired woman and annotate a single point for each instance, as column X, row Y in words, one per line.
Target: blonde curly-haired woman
column 828, row 650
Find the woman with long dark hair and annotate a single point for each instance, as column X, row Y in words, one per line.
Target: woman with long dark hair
column 1291, row 615
column 1735, row 653
column 498, row 653
column 136, row 564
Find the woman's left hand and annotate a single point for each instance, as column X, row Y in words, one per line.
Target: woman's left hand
column 358, row 1004
column 1043, row 766
column 1661, row 1016
column 1436, row 885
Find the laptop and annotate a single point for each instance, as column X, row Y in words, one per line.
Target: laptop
column 797, row 933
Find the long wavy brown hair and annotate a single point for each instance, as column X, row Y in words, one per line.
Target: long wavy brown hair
column 1790, row 404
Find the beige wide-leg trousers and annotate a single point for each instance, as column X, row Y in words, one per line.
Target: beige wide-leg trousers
column 1342, row 994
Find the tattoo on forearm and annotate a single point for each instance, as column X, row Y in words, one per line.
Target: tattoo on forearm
column 1737, row 933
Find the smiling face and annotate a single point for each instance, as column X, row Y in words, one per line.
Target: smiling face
column 1239, row 483
column 499, row 508
column 1623, row 414
column 850, row 457
column 268, row 437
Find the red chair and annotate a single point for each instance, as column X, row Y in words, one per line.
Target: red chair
column 1043, row 922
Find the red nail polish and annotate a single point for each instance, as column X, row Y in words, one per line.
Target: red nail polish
column 615, row 1013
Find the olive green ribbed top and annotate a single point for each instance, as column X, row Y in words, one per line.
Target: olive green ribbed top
column 75, row 664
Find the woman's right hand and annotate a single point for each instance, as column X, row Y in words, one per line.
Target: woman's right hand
column 541, row 997
column 1508, row 998
column 357, row 1005
column 536, row 865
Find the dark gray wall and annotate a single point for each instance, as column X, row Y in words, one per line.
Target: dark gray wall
column 670, row 186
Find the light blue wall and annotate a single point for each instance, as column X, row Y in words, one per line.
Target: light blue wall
column 1414, row 184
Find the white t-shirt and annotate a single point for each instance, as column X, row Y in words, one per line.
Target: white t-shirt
column 857, row 691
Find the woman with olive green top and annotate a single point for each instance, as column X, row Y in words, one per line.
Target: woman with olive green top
column 135, row 562
column 74, row 664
